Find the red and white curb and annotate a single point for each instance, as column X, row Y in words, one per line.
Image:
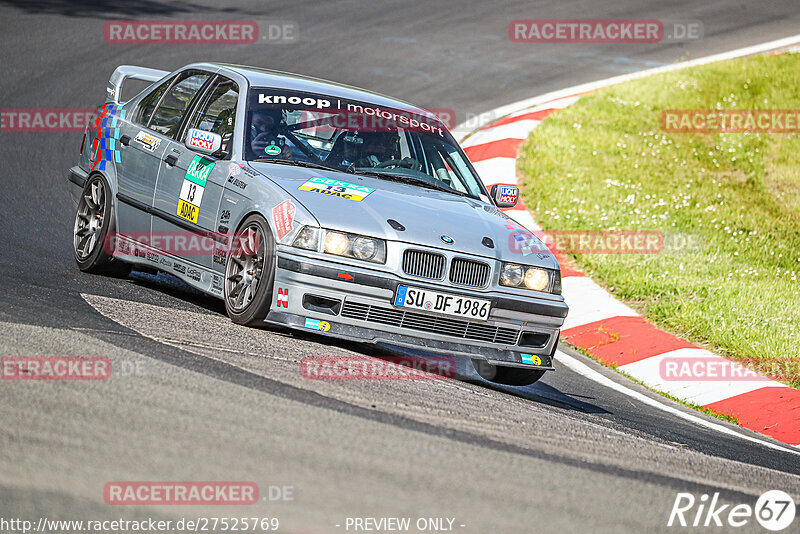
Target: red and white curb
column 605, row 327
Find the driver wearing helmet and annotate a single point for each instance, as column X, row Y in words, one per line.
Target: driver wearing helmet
column 377, row 148
column 265, row 141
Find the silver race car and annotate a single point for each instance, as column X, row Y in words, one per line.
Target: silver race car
column 316, row 206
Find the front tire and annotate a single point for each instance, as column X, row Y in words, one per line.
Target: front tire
column 94, row 229
column 508, row 376
column 250, row 272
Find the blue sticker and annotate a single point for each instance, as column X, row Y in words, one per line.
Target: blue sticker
column 400, row 300
column 531, row 359
column 316, row 324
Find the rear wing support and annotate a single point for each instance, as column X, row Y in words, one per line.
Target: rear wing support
column 125, row 72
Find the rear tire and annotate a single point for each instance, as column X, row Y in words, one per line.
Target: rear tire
column 94, row 229
column 250, row 272
column 509, row 376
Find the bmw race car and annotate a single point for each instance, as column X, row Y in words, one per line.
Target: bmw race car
column 315, row 206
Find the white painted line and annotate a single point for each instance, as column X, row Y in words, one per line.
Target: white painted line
column 586, row 371
column 524, row 218
column 700, row 392
column 515, row 130
column 588, row 302
column 523, row 105
column 497, row 170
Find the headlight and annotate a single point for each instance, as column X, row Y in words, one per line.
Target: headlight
column 365, row 248
column 526, row 277
column 536, row 279
column 336, row 243
column 341, row 244
column 511, row 275
column 307, row 238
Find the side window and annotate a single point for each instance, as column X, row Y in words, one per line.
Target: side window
column 167, row 116
column 217, row 111
column 148, row 104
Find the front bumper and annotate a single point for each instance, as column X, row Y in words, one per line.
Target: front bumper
column 355, row 303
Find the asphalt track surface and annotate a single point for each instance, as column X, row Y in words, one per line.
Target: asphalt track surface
column 203, row 399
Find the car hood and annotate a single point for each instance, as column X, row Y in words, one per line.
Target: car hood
column 426, row 214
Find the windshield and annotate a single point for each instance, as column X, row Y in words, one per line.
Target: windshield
column 357, row 137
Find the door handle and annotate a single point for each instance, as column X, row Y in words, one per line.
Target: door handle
column 171, row 160
column 125, row 140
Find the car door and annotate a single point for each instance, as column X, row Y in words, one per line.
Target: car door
column 190, row 184
column 140, row 152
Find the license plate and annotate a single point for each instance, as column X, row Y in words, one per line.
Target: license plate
column 436, row 302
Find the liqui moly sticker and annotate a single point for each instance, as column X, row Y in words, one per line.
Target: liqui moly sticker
column 283, row 217
column 508, row 193
column 201, row 139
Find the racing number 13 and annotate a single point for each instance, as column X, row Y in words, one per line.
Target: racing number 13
column 192, row 191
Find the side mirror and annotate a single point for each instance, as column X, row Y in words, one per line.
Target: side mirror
column 504, row 195
column 203, row 141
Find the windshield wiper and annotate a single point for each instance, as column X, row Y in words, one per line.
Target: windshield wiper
column 295, row 163
column 410, row 180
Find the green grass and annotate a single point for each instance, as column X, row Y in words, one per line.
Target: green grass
column 605, row 164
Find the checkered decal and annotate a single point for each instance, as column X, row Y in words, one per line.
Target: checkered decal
column 105, row 143
column 283, row 298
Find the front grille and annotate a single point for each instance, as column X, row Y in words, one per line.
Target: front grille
column 423, row 264
column 470, row 273
column 429, row 323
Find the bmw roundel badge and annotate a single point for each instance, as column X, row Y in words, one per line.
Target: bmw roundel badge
column 447, row 239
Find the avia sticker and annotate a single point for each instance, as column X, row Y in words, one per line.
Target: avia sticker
column 531, row 359
column 148, row 141
column 336, row 188
column 283, row 218
column 198, row 170
column 282, row 300
column 188, row 211
column 315, row 324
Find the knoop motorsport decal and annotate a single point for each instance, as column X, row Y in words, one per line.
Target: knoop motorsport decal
column 194, row 184
column 336, row 188
column 328, row 111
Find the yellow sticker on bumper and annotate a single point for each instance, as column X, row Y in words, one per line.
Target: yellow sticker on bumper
column 188, row 211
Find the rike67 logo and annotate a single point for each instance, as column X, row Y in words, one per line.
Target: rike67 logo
column 774, row 510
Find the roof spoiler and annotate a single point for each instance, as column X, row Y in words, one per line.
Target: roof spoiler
column 125, row 72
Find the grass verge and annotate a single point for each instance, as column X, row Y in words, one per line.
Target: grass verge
column 604, row 163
